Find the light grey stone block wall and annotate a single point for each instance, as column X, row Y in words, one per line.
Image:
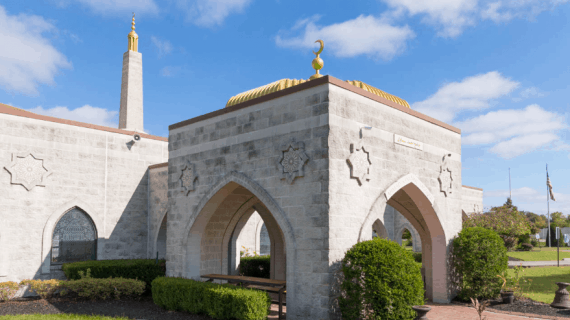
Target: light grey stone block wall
column 93, row 169
column 354, row 207
column 157, row 210
column 247, row 141
column 471, row 200
column 249, row 236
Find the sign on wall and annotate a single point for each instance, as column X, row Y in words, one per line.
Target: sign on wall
column 408, row 142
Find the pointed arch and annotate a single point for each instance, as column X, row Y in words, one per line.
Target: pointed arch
column 154, row 239
column 208, row 205
column 54, row 218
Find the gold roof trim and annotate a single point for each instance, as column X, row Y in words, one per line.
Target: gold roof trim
column 379, row 93
column 288, row 83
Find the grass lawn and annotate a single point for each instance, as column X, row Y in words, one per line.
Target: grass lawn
column 58, row 317
column 545, row 254
column 543, row 282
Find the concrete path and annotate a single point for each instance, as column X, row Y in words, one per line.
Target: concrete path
column 538, row 263
column 459, row 312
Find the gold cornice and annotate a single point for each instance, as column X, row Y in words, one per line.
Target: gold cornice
column 288, row 83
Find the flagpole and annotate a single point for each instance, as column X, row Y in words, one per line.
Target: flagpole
column 510, row 194
column 548, row 206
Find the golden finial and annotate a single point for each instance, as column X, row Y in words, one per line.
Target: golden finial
column 133, row 23
column 318, row 63
column 133, row 37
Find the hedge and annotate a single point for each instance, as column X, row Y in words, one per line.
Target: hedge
column 61, row 316
column 140, row 269
column 219, row 301
column 255, row 266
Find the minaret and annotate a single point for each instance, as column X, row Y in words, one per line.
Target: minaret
column 131, row 114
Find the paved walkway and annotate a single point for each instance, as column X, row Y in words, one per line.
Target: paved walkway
column 458, row 312
column 538, row 263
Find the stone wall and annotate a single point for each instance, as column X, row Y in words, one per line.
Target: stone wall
column 157, row 208
column 356, row 203
column 251, row 141
column 471, row 200
column 100, row 171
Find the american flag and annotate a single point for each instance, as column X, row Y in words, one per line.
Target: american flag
column 549, row 187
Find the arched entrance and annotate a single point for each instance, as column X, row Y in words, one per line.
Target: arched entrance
column 160, row 242
column 414, row 201
column 379, row 230
column 215, row 223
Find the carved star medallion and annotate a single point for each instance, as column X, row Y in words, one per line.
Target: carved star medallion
column 188, row 177
column 28, row 170
column 359, row 162
column 292, row 160
column 445, row 176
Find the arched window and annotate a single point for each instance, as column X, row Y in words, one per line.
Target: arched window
column 74, row 238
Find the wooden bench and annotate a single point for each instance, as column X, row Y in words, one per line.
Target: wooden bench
column 269, row 285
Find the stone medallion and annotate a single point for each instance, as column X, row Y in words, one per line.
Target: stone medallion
column 445, row 176
column 188, row 177
column 292, row 161
column 28, row 170
column 359, row 162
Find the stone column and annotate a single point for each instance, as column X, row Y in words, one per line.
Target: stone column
column 131, row 114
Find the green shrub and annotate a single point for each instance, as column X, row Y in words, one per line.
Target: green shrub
column 417, row 256
column 535, row 243
column 102, row 289
column 526, row 246
column 8, row 290
column 61, row 316
column 381, row 280
column 478, row 256
column 139, row 269
column 219, row 301
column 254, row 266
column 43, row 288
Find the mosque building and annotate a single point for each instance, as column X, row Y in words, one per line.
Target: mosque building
column 299, row 169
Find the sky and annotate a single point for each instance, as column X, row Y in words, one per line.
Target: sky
column 496, row 69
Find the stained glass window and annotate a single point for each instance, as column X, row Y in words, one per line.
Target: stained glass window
column 74, row 238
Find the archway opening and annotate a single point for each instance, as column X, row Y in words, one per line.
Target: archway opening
column 406, row 240
column 252, row 240
column 74, row 238
column 161, row 239
column 212, row 245
column 379, row 230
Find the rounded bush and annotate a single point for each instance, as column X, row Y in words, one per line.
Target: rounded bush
column 526, row 247
column 478, row 256
column 381, row 280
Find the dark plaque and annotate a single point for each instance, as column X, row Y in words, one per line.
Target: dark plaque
column 74, row 238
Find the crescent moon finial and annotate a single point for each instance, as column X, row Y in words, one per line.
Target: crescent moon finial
column 318, row 62
column 322, row 47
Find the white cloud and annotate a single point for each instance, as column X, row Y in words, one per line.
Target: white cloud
column 531, row 92
column 117, row 6
column 27, row 57
column 451, row 16
column 367, row 35
column 506, row 10
column 209, row 13
column 169, row 71
column 514, row 132
column 164, row 47
column 87, row 114
column 472, row 93
column 530, row 199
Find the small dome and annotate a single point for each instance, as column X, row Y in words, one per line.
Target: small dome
column 288, row 83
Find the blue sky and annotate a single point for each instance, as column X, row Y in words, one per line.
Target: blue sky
column 497, row 69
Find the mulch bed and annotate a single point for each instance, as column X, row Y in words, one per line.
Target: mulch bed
column 143, row 308
column 133, row 309
column 526, row 307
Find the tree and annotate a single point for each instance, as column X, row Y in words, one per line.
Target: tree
column 505, row 220
column 540, row 221
column 558, row 219
column 406, row 234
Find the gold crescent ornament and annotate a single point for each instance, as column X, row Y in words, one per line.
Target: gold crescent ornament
column 318, row 63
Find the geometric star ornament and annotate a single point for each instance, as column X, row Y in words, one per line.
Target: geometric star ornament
column 188, row 177
column 292, row 161
column 445, row 176
column 359, row 162
column 28, row 170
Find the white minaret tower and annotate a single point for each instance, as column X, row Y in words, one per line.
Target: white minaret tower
column 131, row 114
